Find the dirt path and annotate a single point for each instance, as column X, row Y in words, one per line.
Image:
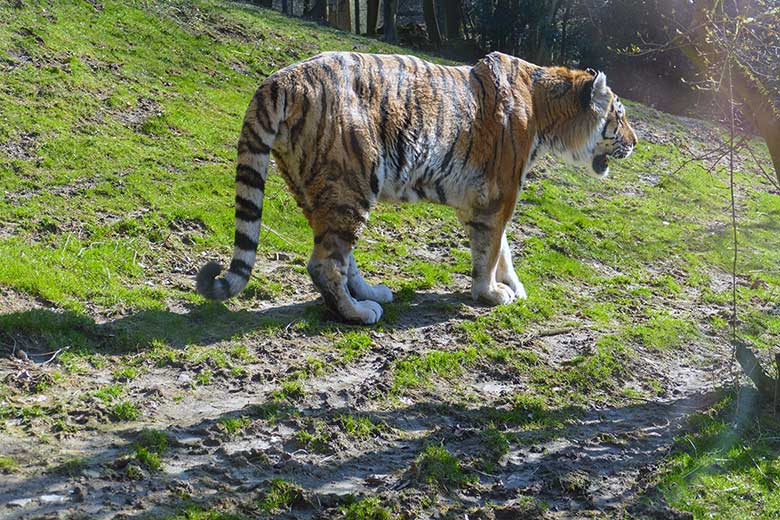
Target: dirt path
column 591, row 461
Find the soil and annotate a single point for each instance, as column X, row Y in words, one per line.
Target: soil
column 593, row 467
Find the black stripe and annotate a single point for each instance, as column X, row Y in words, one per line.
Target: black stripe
column 247, row 175
column 240, row 267
column 374, row 183
column 244, row 241
column 440, row 192
column 255, row 144
column 297, row 128
column 349, row 210
column 481, row 87
column 346, row 236
column 478, row 226
column 265, row 120
column 275, row 93
column 248, row 209
column 448, row 156
column 467, row 155
column 401, row 74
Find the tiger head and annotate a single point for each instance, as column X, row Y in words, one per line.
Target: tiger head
column 613, row 135
column 583, row 121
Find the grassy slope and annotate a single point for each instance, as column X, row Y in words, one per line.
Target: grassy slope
column 117, row 140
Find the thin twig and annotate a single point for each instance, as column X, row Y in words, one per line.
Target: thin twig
column 55, row 355
column 277, row 234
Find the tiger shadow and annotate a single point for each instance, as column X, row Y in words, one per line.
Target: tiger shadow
column 208, row 323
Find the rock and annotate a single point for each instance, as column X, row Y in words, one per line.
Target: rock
column 19, row 502
column 52, row 499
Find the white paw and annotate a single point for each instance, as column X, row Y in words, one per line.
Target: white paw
column 500, row 295
column 511, row 280
column 519, row 290
column 366, row 312
column 382, row 294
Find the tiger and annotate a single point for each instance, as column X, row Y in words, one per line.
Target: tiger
column 347, row 130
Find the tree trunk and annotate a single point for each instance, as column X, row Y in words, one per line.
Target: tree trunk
column 284, row 6
column 357, row 16
column 318, row 11
column 390, row 11
column 431, row 23
column 340, row 16
column 372, row 15
column 266, row 3
column 564, row 27
column 453, row 19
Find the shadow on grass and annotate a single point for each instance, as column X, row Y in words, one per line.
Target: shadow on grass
column 40, row 331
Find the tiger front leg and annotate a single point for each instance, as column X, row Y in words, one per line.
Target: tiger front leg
column 329, row 268
column 486, row 251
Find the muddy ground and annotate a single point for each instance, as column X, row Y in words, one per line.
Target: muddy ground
column 594, row 462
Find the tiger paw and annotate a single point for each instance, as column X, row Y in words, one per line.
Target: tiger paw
column 518, row 289
column 366, row 312
column 499, row 295
column 382, row 294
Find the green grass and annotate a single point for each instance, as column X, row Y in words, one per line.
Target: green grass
column 195, row 512
column 149, row 449
column 358, row 427
column 366, row 509
column 125, row 411
column 353, row 344
column 418, row 369
column 109, row 393
column 314, row 437
column 728, row 467
column 439, row 468
column 291, row 390
column 7, row 464
column 280, row 496
column 232, row 426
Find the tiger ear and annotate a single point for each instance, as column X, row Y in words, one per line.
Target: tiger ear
column 595, row 93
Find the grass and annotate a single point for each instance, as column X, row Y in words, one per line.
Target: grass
column 728, row 466
column 280, row 496
column 358, row 427
column 418, row 369
column 367, row 509
column 233, row 426
column 314, row 437
column 353, row 344
column 196, row 512
column 125, row 411
column 439, row 468
column 7, row 465
column 149, row 449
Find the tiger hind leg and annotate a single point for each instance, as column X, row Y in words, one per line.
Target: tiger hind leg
column 329, row 268
column 362, row 290
column 505, row 273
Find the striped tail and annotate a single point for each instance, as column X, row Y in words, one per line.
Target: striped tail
column 261, row 124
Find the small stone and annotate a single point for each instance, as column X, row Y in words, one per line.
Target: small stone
column 79, row 494
column 52, row 499
column 19, row 502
